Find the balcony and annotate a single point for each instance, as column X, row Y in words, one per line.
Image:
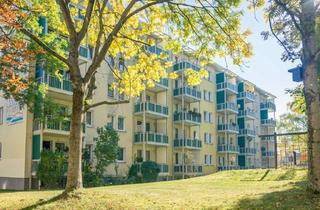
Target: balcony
column 188, row 169
column 57, row 85
column 190, row 94
column 267, row 154
column 86, row 53
column 247, row 96
column 248, row 113
column 61, row 127
column 247, row 132
column 188, row 143
column 155, row 111
column 228, row 167
column 268, row 122
column 247, row 151
column 227, row 107
column 268, row 105
column 164, row 168
column 178, row 67
column 151, row 138
column 160, row 86
column 228, row 87
column 230, row 128
column 267, row 138
column 189, row 118
column 227, row 148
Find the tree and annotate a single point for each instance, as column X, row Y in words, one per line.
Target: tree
column 295, row 24
column 122, row 29
column 106, row 149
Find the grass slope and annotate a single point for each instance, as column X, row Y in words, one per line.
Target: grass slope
column 248, row 189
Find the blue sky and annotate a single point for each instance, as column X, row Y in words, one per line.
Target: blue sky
column 265, row 69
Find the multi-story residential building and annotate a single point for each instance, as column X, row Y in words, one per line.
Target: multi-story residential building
column 188, row 131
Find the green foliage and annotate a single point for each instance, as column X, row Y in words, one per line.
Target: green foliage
column 51, row 169
column 133, row 176
column 298, row 105
column 106, row 149
column 150, row 171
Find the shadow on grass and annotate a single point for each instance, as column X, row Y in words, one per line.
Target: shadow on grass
column 295, row 198
column 43, row 202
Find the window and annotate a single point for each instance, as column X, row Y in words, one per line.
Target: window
column 1, row 115
column 210, row 117
column 209, row 96
column 148, row 127
column 110, row 60
column 207, row 138
column 120, row 155
column 121, row 64
column 110, row 91
column 205, row 115
column 121, row 123
column 89, row 120
column 0, row 150
column 205, row 95
column 60, row 147
column 148, row 155
column 46, row 145
column 176, row 133
column 139, row 153
column 88, row 152
column 208, row 159
column 110, row 124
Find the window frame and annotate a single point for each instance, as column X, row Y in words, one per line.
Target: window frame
column 124, row 127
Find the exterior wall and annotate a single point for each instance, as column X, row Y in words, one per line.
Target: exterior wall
column 15, row 140
column 17, row 147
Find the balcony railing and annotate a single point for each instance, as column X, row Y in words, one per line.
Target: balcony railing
column 54, row 82
column 247, row 151
column 193, row 117
column 163, row 82
column 268, row 122
column 267, row 138
column 188, row 168
column 188, row 143
column 228, row 148
column 59, row 125
column 151, row 138
column 228, row 167
column 247, row 113
column 268, row 105
column 163, row 167
column 227, row 86
column 247, row 132
column 228, row 128
column 267, row 154
column 187, row 91
column 227, row 107
column 151, row 107
column 247, row 95
column 185, row 65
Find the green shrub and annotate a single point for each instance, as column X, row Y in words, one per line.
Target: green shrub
column 150, row 171
column 133, row 176
column 52, row 168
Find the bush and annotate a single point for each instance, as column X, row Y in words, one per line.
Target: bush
column 52, row 168
column 150, row 171
column 133, row 176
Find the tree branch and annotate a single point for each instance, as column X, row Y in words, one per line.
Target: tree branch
column 44, row 46
column 291, row 14
column 124, row 17
column 105, row 103
column 86, row 21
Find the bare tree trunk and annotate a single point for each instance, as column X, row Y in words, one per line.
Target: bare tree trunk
column 311, row 90
column 74, row 178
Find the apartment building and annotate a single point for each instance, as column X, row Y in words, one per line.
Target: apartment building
column 188, row 131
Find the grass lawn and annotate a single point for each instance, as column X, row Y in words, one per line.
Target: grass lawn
column 243, row 189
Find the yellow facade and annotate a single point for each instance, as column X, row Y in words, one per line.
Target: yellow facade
column 162, row 125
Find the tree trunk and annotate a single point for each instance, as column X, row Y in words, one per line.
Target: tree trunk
column 311, row 90
column 74, row 179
